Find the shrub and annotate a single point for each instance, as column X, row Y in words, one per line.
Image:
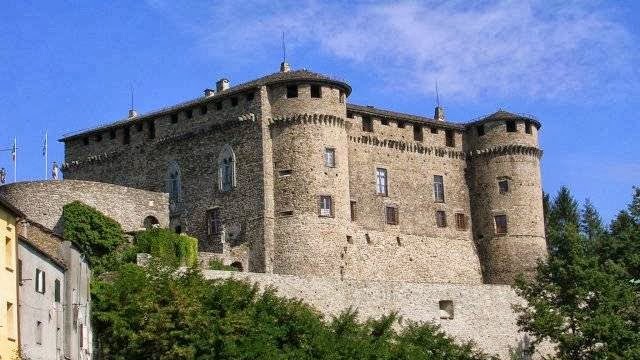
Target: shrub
column 215, row 264
column 172, row 248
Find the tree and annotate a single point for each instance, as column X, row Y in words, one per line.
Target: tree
column 591, row 222
column 563, row 210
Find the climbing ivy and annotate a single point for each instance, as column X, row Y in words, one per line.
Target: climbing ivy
column 172, row 248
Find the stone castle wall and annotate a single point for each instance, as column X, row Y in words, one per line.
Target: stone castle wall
column 481, row 313
column 42, row 202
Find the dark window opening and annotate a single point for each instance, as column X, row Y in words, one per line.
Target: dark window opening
column 56, row 291
column 441, row 218
column 417, row 132
column 480, row 130
column 112, row 134
column 150, row 222
column 352, row 208
column 446, row 309
column 126, row 138
column 461, row 221
column 316, row 91
column 178, row 229
column 527, row 127
column 511, row 126
column 501, row 224
column 85, row 141
column 174, row 118
column 367, row 124
column 292, row 91
column 139, row 127
column 503, row 186
column 151, row 126
column 349, row 115
column 326, row 206
column 219, row 105
column 189, row 113
column 98, row 137
column 401, row 124
column 286, row 213
column 450, row 138
column 434, row 130
column 384, row 122
column 250, row 96
column 203, row 109
column 234, row 101
column 391, row 215
column 237, row 265
column 214, row 222
column 285, row 172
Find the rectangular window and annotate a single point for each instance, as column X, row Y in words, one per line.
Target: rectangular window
column 434, row 130
column 382, row 184
column 56, row 294
column 384, row 122
column 189, row 113
column 219, row 105
column 316, row 91
column 40, row 281
column 501, row 224
column 527, row 127
column 441, row 219
column 19, row 272
column 81, row 336
column 438, row 188
column 352, row 207
column 126, row 137
column 450, row 138
column 292, row 91
column 401, row 124
column 174, row 118
column 203, row 109
column 503, row 186
column 151, row 127
column 446, row 309
column 11, row 321
column 391, row 214
column 480, row 130
column 8, row 253
column 417, row 132
column 461, row 221
column 234, row 101
column 326, row 206
column 330, row 157
column 285, row 172
column 214, row 222
column 349, row 115
column 250, row 96
column 511, row 126
column 367, row 124
column 38, row 332
column 341, row 95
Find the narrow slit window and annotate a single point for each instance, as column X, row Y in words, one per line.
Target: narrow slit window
column 40, row 281
column 511, row 126
column 316, row 91
column 441, row 219
column 382, row 182
column 326, row 206
column 367, row 124
column 527, row 127
column 56, row 291
column 126, row 138
column 391, row 214
column 501, row 224
column 292, row 91
column 438, row 188
column 353, row 209
column 151, row 127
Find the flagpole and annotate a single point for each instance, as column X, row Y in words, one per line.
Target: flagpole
column 15, row 160
column 45, row 150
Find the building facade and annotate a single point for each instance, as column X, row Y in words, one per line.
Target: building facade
column 9, row 340
column 286, row 177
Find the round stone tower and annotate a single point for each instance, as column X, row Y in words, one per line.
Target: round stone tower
column 311, row 172
column 506, row 195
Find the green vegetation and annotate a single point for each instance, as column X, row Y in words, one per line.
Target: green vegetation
column 586, row 296
column 215, row 264
column 150, row 313
column 174, row 249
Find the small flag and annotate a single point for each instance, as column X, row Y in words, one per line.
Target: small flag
column 14, row 150
column 44, row 145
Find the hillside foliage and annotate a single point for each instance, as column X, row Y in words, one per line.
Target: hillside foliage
column 175, row 249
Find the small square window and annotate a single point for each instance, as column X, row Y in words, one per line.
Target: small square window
column 250, row 96
column 441, row 218
column 384, row 122
column 234, row 101
column 527, row 127
column 189, row 113
column 446, row 309
column 174, row 118
column 461, row 221
column 367, row 124
column 292, row 91
column 401, row 124
column 417, row 132
column 330, row 157
column 480, row 130
column 434, row 130
column 326, row 206
column 203, row 109
column 450, row 138
column 511, row 126
column 501, row 224
column 352, row 207
column 219, row 105
column 316, row 91
column 391, row 215
column 503, row 186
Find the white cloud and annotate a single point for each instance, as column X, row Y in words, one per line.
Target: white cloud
column 475, row 50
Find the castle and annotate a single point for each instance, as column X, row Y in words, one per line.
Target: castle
column 281, row 175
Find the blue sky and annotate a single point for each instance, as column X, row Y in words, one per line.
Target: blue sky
column 574, row 65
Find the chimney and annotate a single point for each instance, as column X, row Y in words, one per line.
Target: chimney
column 209, row 92
column 222, row 85
column 439, row 114
column 132, row 113
column 284, row 67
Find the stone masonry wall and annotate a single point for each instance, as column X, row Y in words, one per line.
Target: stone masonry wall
column 481, row 313
column 42, row 202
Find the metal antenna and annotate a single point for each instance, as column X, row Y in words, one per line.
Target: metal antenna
column 284, row 49
column 131, row 96
column 437, row 95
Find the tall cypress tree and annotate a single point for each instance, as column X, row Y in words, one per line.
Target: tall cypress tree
column 591, row 222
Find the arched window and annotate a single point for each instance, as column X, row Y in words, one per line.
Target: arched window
column 226, row 169
column 174, row 185
column 150, row 222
